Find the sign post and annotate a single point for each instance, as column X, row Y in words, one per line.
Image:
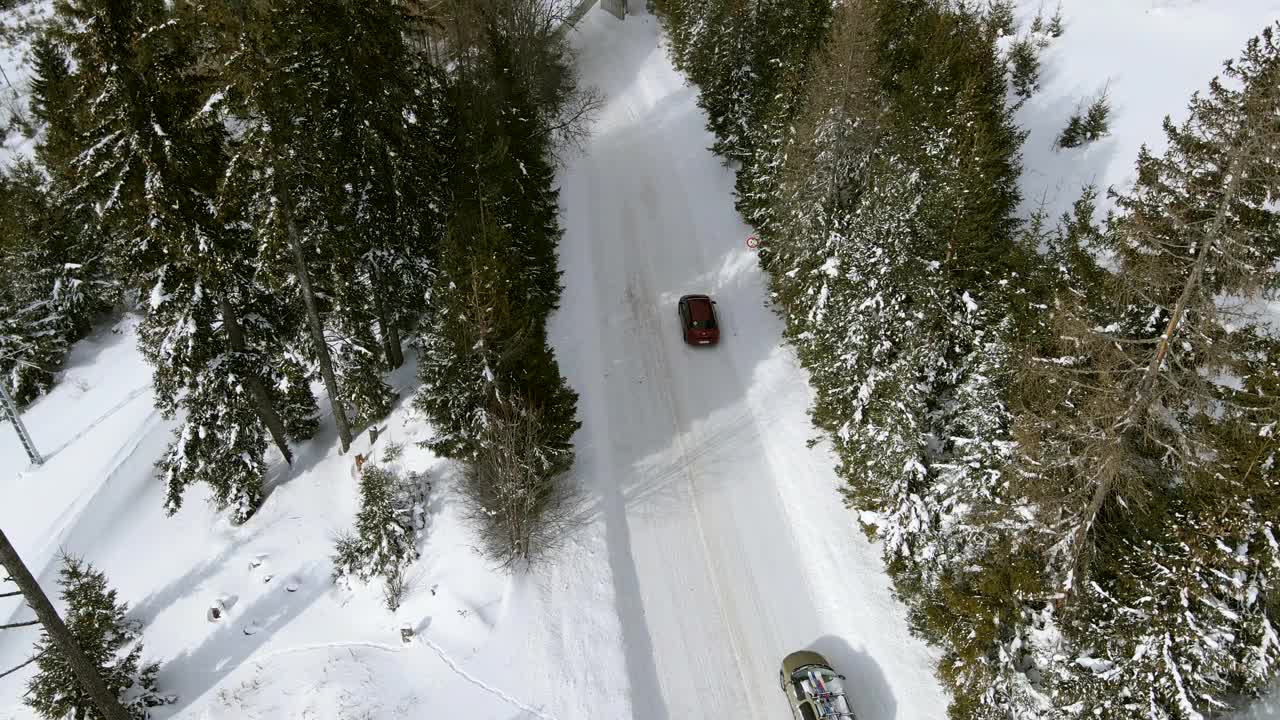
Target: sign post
column 9, row 411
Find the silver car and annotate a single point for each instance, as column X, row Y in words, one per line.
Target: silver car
column 814, row 691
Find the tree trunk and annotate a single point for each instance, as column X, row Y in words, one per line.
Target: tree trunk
column 1145, row 395
column 387, row 328
column 88, row 675
column 313, row 321
column 261, row 399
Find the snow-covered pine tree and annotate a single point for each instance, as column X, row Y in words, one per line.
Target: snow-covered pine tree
column 52, row 103
column 498, row 280
column 1001, row 17
column 330, row 172
column 1142, row 445
column 278, row 74
column 292, row 394
column 829, row 141
column 152, row 169
column 108, row 638
column 379, row 244
column 684, row 20
column 55, row 281
column 785, row 38
column 389, row 524
column 465, row 341
column 358, row 357
column 721, row 65
column 1024, row 66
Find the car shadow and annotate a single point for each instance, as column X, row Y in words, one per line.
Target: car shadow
column 865, row 684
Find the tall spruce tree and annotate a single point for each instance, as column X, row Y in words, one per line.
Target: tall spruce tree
column 109, row 640
column 276, row 73
column 52, row 103
column 1146, row 422
column 84, row 673
column 55, row 281
column 152, row 167
column 336, row 179
column 497, row 280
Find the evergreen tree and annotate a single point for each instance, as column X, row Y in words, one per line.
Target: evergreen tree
column 389, row 525
column 108, row 639
column 1145, row 418
column 1024, row 63
column 1001, row 18
column 498, row 279
column 52, row 103
column 335, row 181
column 153, row 167
column 1088, row 126
column 292, row 394
column 1055, row 27
column 785, row 37
column 54, row 282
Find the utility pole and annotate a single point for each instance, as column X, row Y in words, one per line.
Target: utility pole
column 9, row 411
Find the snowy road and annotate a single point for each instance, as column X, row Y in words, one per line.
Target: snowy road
column 728, row 544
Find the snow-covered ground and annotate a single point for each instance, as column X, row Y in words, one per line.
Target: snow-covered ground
column 292, row 643
column 1148, row 56
column 728, row 542
column 713, row 541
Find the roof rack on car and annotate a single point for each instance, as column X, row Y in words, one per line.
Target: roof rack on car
column 828, row 703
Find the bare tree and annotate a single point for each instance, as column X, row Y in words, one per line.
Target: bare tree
column 519, row 505
column 86, row 673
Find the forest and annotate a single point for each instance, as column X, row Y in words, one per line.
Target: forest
column 291, row 194
column 1061, row 430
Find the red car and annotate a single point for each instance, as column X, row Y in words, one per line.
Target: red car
column 698, row 320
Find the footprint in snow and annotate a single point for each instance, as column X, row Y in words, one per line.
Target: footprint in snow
column 252, row 627
column 220, row 606
column 259, row 566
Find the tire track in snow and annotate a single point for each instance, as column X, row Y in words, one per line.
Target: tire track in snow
column 133, row 395
column 643, row 307
column 647, row 700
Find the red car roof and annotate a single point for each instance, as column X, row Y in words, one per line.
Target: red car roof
column 700, row 308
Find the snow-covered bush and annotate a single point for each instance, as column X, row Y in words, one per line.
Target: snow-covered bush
column 391, row 521
column 1088, row 125
column 1024, row 66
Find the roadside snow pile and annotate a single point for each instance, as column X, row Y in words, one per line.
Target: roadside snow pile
column 1146, row 57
